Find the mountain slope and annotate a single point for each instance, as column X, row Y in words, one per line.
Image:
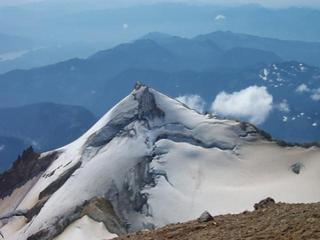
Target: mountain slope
column 148, row 162
column 276, row 221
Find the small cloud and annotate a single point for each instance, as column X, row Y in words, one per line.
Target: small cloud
column 284, row 119
column 302, row 88
column 125, row 26
column 314, row 124
column 283, row 106
column 253, row 103
column 220, row 17
column 316, row 95
column 193, row 101
column 2, row 147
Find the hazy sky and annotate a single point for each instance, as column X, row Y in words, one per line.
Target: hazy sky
column 112, row 3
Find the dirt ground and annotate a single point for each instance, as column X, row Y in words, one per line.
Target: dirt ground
column 275, row 221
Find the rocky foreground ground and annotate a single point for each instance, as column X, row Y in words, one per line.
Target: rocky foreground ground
column 269, row 220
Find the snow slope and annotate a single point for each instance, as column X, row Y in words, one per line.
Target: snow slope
column 85, row 228
column 151, row 161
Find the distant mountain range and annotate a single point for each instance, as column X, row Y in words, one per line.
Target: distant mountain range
column 44, row 126
column 9, row 43
column 42, row 55
column 205, row 65
column 60, row 32
column 90, row 23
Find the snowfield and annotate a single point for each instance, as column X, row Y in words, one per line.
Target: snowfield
column 151, row 161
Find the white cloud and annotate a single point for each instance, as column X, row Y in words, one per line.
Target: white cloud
column 253, row 103
column 220, row 18
column 283, row 106
column 193, row 101
column 125, row 26
column 316, row 95
column 302, row 88
column 2, row 147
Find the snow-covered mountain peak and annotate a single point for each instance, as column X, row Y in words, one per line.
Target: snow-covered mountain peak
column 148, row 162
column 158, row 111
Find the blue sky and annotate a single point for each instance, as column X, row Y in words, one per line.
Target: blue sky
column 113, row 3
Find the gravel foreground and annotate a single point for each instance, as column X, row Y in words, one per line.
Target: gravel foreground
column 269, row 221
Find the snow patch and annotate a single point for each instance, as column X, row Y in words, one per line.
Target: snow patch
column 84, row 229
column 284, row 119
column 264, row 75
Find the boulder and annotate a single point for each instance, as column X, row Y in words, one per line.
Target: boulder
column 264, row 203
column 205, row 217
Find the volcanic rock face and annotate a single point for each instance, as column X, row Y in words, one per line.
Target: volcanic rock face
column 148, row 162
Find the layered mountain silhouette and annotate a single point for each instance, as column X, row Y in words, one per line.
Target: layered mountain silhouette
column 204, row 65
column 44, row 126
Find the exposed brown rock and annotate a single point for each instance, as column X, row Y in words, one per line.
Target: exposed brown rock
column 99, row 209
column 36, row 208
column 278, row 221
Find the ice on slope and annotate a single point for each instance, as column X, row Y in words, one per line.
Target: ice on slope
column 84, row 229
column 196, row 164
column 221, row 182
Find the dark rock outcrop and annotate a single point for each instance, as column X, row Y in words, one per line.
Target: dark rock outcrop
column 147, row 105
column 98, row 209
column 26, row 167
column 296, row 168
column 265, row 203
column 205, row 217
column 55, row 185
